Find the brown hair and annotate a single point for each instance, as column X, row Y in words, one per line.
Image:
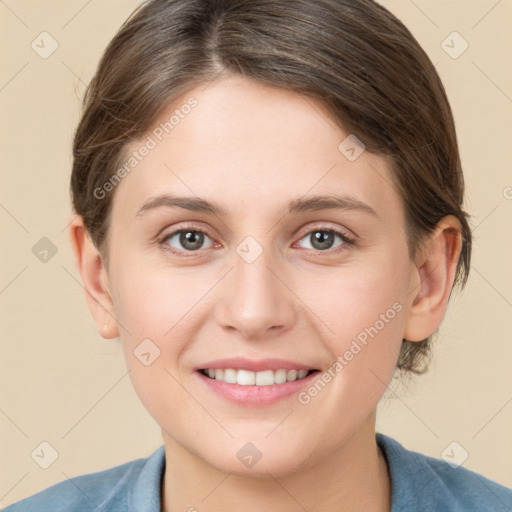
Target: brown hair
column 355, row 57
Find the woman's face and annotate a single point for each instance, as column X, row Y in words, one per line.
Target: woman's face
column 274, row 283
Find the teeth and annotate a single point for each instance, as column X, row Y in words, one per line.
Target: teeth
column 248, row 378
column 280, row 376
column 265, row 378
column 245, row 378
column 230, row 376
column 291, row 375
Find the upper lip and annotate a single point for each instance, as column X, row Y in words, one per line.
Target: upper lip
column 240, row 363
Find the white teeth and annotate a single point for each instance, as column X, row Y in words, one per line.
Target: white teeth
column 249, row 378
column 245, row 378
column 265, row 378
column 280, row 376
column 230, row 376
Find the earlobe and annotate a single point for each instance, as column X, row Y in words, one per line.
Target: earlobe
column 436, row 269
column 94, row 278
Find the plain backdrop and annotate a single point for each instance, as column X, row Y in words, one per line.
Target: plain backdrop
column 62, row 384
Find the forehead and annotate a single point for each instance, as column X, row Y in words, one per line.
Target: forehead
column 250, row 147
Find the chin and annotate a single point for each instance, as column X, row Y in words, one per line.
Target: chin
column 260, row 458
column 277, row 465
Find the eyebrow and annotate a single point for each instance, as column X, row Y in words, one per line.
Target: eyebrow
column 314, row 203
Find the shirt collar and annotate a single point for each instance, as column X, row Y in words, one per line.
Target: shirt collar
column 145, row 495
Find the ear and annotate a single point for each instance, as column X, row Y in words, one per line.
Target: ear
column 94, row 279
column 436, row 266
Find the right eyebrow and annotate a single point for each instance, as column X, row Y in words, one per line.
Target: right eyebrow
column 195, row 204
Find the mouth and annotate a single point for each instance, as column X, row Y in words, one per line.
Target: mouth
column 252, row 378
column 254, row 383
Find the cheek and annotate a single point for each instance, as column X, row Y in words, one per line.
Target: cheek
column 158, row 332
column 156, row 303
column 362, row 314
column 158, row 309
column 357, row 303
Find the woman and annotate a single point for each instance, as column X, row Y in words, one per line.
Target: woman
column 268, row 200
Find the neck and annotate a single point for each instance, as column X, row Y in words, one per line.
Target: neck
column 355, row 478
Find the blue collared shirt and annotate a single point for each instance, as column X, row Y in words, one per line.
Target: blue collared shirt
column 418, row 483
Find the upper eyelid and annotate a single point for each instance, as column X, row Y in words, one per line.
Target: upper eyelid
column 191, row 227
column 320, row 227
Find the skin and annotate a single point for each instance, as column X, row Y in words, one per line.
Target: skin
column 252, row 148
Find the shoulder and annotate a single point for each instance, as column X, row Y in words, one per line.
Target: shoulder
column 425, row 483
column 112, row 490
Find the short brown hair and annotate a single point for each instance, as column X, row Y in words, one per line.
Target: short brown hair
column 353, row 56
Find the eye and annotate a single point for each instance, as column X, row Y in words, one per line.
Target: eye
column 188, row 239
column 322, row 239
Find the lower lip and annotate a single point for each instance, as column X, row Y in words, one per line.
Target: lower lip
column 256, row 395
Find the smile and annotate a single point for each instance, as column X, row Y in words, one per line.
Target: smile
column 251, row 378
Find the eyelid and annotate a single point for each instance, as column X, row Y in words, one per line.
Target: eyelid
column 322, row 226
column 192, row 225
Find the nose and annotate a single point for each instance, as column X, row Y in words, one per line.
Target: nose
column 256, row 300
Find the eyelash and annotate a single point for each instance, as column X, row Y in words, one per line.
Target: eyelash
column 347, row 241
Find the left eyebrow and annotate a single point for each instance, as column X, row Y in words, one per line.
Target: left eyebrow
column 316, row 203
column 300, row 205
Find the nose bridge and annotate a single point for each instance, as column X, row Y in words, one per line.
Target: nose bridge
column 254, row 300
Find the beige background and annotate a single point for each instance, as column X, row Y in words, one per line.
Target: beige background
column 63, row 384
